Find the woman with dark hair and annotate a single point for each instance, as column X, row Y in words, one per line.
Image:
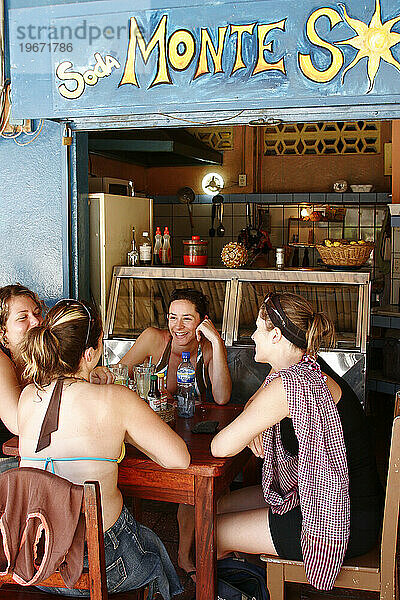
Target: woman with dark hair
column 78, row 430
column 320, row 498
column 189, row 330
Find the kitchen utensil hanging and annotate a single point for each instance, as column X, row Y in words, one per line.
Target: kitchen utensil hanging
column 186, row 196
column 221, row 228
column 211, row 231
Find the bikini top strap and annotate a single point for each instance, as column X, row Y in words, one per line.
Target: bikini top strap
column 164, row 360
column 50, row 421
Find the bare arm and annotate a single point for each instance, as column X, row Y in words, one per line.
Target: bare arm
column 146, row 431
column 10, row 390
column 149, row 343
column 217, row 364
column 268, row 407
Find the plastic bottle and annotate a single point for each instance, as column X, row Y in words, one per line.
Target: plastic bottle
column 157, row 252
column 133, row 254
column 154, row 397
column 145, row 249
column 163, row 391
column 166, row 255
column 186, row 392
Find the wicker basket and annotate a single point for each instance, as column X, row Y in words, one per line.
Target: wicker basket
column 348, row 255
column 168, row 414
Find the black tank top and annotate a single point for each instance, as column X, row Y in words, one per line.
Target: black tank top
column 364, row 484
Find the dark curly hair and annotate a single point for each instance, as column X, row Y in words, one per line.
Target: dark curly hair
column 197, row 298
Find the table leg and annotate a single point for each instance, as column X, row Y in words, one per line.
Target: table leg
column 206, row 543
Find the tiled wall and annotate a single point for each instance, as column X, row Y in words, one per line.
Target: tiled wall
column 395, row 296
column 364, row 216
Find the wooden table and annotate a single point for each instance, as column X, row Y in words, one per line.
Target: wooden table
column 201, row 485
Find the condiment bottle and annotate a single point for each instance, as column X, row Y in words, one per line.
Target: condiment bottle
column 280, row 258
column 195, row 252
column 154, row 397
column 133, row 254
column 157, row 252
column 163, row 391
column 166, row 254
column 145, row 249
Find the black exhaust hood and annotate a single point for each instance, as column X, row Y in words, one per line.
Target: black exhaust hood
column 154, row 148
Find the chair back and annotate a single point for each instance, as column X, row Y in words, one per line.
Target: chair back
column 94, row 580
column 391, row 511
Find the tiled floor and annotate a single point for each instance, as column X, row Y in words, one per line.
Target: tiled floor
column 161, row 517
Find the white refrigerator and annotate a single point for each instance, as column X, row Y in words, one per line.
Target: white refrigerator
column 111, row 220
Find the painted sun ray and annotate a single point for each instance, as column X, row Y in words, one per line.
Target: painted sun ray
column 373, row 41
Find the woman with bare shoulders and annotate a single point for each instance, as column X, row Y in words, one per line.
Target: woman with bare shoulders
column 20, row 310
column 320, row 498
column 88, row 438
column 189, row 330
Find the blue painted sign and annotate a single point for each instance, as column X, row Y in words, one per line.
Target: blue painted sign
column 86, row 59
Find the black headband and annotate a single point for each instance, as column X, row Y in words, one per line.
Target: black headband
column 279, row 319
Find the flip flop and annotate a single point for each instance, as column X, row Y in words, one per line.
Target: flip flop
column 189, row 575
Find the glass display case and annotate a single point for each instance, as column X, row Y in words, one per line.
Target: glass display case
column 139, row 299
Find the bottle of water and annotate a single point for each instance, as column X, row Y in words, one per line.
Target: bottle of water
column 186, row 391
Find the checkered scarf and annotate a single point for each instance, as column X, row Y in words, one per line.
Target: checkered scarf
column 317, row 478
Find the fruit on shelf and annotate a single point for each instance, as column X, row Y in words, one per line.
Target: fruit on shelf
column 340, row 243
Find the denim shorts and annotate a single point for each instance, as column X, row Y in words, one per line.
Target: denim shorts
column 135, row 557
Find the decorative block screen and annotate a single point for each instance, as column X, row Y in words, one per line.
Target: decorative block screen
column 219, row 138
column 356, row 137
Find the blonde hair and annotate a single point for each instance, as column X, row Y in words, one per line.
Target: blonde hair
column 55, row 348
column 7, row 293
column 318, row 328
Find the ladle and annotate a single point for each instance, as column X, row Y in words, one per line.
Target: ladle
column 211, row 231
column 220, row 228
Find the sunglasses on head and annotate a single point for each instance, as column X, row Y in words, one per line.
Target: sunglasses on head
column 71, row 302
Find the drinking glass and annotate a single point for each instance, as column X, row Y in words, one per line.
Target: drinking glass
column 142, row 375
column 120, row 373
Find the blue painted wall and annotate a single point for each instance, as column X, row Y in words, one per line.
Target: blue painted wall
column 34, row 215
column 33, row 218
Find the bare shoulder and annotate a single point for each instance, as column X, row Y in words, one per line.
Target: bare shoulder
column 153, row 336
column 273, row 394
column 118, row 397
column 6, row 363
column 334, row 388
column 274, row 387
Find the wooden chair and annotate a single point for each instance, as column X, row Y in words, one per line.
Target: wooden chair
column 93, row 579
column 375, row 571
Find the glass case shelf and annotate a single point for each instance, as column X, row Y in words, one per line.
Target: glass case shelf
column 139, row 299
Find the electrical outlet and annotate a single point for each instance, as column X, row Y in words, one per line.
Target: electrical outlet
column 242, row 180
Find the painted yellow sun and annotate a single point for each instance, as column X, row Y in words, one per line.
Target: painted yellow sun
column 373, row 41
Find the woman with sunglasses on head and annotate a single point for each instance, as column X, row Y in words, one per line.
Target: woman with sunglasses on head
column 20, row 310
column 78, row 430
column 320, row 498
